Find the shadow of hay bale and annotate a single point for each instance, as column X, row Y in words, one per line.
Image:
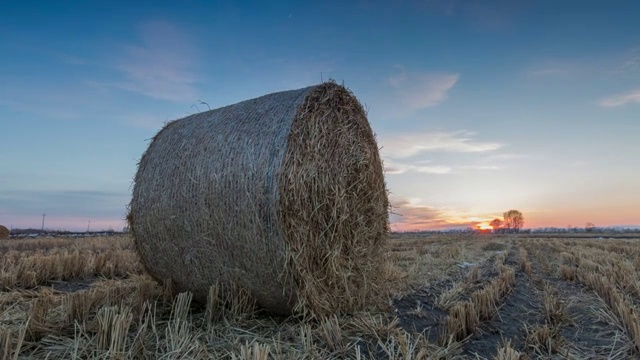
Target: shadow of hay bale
column 282, row 195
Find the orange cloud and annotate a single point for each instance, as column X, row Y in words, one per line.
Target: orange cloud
column 409, row 216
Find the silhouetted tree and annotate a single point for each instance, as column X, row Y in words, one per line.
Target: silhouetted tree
column 496, row 224
column 589, row 227
column 513, row 220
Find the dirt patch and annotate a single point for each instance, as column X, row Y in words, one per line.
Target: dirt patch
column 522, row 306
column 73, row 285
column 590, row 333
column 417, row 311
column 494, row 246
column 418, row 314
column 587, row 334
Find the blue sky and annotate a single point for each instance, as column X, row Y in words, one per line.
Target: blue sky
column 479, row 106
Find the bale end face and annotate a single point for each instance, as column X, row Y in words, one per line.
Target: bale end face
column 333, row 204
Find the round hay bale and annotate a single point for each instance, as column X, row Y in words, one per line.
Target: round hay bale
column 282, row 195
column 4, row 232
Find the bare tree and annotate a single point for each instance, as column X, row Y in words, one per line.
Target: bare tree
column 590, row 227
column 513, row 220
column 496, row 224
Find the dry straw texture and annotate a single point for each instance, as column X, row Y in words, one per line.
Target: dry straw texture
column 282, row 195
column 4, row 232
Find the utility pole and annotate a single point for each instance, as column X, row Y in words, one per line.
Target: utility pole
column 89, row 226
column 43, row 215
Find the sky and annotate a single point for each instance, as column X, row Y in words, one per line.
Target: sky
column 479, row 107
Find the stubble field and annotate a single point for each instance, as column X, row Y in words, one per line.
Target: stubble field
column 451, row 297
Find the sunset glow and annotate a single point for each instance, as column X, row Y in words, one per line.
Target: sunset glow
column 484, row 226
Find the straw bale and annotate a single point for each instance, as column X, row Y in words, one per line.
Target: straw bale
column 282, row 195
column 4, row 232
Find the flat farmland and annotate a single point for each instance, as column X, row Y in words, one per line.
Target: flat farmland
column 462, row 296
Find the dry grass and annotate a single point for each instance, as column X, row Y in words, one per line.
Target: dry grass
column 474, row 275
column 621, row 307
column 19, row 247
column 449, row 297
column 125, row 314
column 76, row 311
column 555, row 308
column 420, row 260
column 465, row 316
column 26, row 270
column 494, row 246
column 607, row 270
column 544, row 341
column 507, row 352
column 525, row 264
column 568, row 273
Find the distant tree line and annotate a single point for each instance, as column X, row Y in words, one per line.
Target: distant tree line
column 541, row 230
column 589, row 229
column 22, row 233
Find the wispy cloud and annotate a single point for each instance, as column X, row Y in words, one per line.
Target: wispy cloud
column 481, row 167
column 632, row 63
column 392, row 167
column 410, row 215
column 620, row 65
column 621, row 99
column 422, row 90
column 504, row 157
column 627, row 63
column 407, row 145
column 161, row 65
column 496, row 162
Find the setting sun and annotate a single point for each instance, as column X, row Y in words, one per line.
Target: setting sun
column 484, row 226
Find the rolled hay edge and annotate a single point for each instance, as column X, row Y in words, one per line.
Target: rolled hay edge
column 282, row 195
column 4, row 232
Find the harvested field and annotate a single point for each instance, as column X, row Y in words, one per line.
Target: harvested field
column 453, row 297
